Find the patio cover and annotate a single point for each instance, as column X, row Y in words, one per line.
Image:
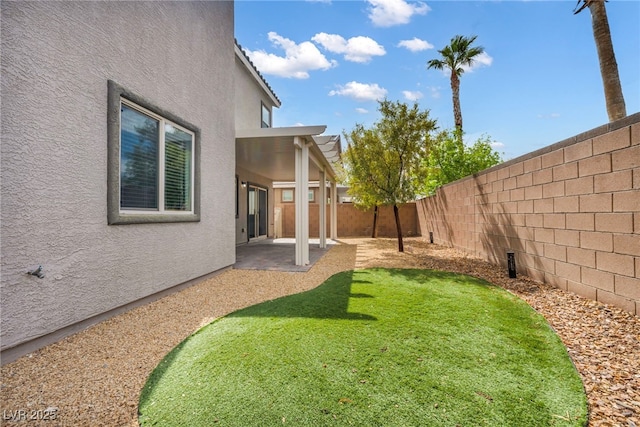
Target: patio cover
column 297, row 154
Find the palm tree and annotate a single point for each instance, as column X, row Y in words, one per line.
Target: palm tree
column 608, row 66
column 455, row 57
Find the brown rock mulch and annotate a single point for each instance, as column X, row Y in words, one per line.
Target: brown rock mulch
column 95, row 377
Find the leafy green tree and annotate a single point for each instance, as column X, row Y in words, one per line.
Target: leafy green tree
column 449, row 159
column 616, row 108
column 455, row 56
column 357, row 171
column 384, row 164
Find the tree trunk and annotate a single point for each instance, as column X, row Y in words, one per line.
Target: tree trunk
column 374, row 232
column 455, row 91
column 608, row 66
column 398, row 228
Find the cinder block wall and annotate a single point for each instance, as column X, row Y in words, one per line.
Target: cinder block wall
column 353, row 222
column 570, row 212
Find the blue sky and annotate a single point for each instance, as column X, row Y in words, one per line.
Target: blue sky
column 538, row 83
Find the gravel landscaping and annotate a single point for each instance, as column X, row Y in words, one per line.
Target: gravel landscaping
column 95, row 377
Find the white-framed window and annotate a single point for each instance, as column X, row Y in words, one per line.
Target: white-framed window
column 153, row 162
column 265, row 117
column 311, row 195
column 287, row 195
column 156, row 162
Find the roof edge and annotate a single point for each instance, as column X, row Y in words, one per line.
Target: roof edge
column 256, row 74
column 281, row 131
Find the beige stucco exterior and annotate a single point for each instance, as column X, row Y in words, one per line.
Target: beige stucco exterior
column 251, row 93
column 66, row 66
column 56, row 60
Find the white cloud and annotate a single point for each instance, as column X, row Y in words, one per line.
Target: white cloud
column 412, row 96
column 362, row 110
column 360, row 91
column 549, row 116
column 356, row 49
column 415, row 44
column 299, row 59
column 387, row 13
column 482, row 60
column 471, row 138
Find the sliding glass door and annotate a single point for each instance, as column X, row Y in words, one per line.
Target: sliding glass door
column 258, row 214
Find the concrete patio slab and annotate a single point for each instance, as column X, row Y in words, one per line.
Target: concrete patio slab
column 276, row 255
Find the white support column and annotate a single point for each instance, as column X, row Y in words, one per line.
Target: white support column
column 296, row 199
column 322, row 230
column 302, row 200
column 334, row 211
column 305, row 202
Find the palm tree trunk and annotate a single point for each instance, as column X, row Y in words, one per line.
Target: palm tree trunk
column 455, row 91
column 608, row 66
column 398, row 228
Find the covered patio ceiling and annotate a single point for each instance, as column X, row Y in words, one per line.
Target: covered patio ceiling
column 270, row 152
column 298, row 154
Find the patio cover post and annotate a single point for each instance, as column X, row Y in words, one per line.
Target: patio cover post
column 322, row 231
column 334, row 211
column 302, row 200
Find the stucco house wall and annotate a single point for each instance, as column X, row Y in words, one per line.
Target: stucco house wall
column 56, row 60
column 570, row 212
column 250, row 96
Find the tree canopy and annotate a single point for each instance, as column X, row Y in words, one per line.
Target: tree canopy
column 384, row 163
column 449, row 159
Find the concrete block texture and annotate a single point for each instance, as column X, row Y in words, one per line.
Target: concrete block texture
column 578, row 151
column 542, row 176
column 614, row 222
column 602, row 202
column 354, row 222
column 627, row 201
column 595, row 165
column 577, row 213
column 565, row 171
column 596, row 240
column 612, row 141
column 579, row 186
column 627, row 287
column 613, row 182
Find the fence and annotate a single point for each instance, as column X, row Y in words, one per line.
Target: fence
column 352, row 222
column 570, row 212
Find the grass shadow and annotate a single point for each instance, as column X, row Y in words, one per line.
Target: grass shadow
column 328, row 301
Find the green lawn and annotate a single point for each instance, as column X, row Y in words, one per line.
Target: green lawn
column 379, row 347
